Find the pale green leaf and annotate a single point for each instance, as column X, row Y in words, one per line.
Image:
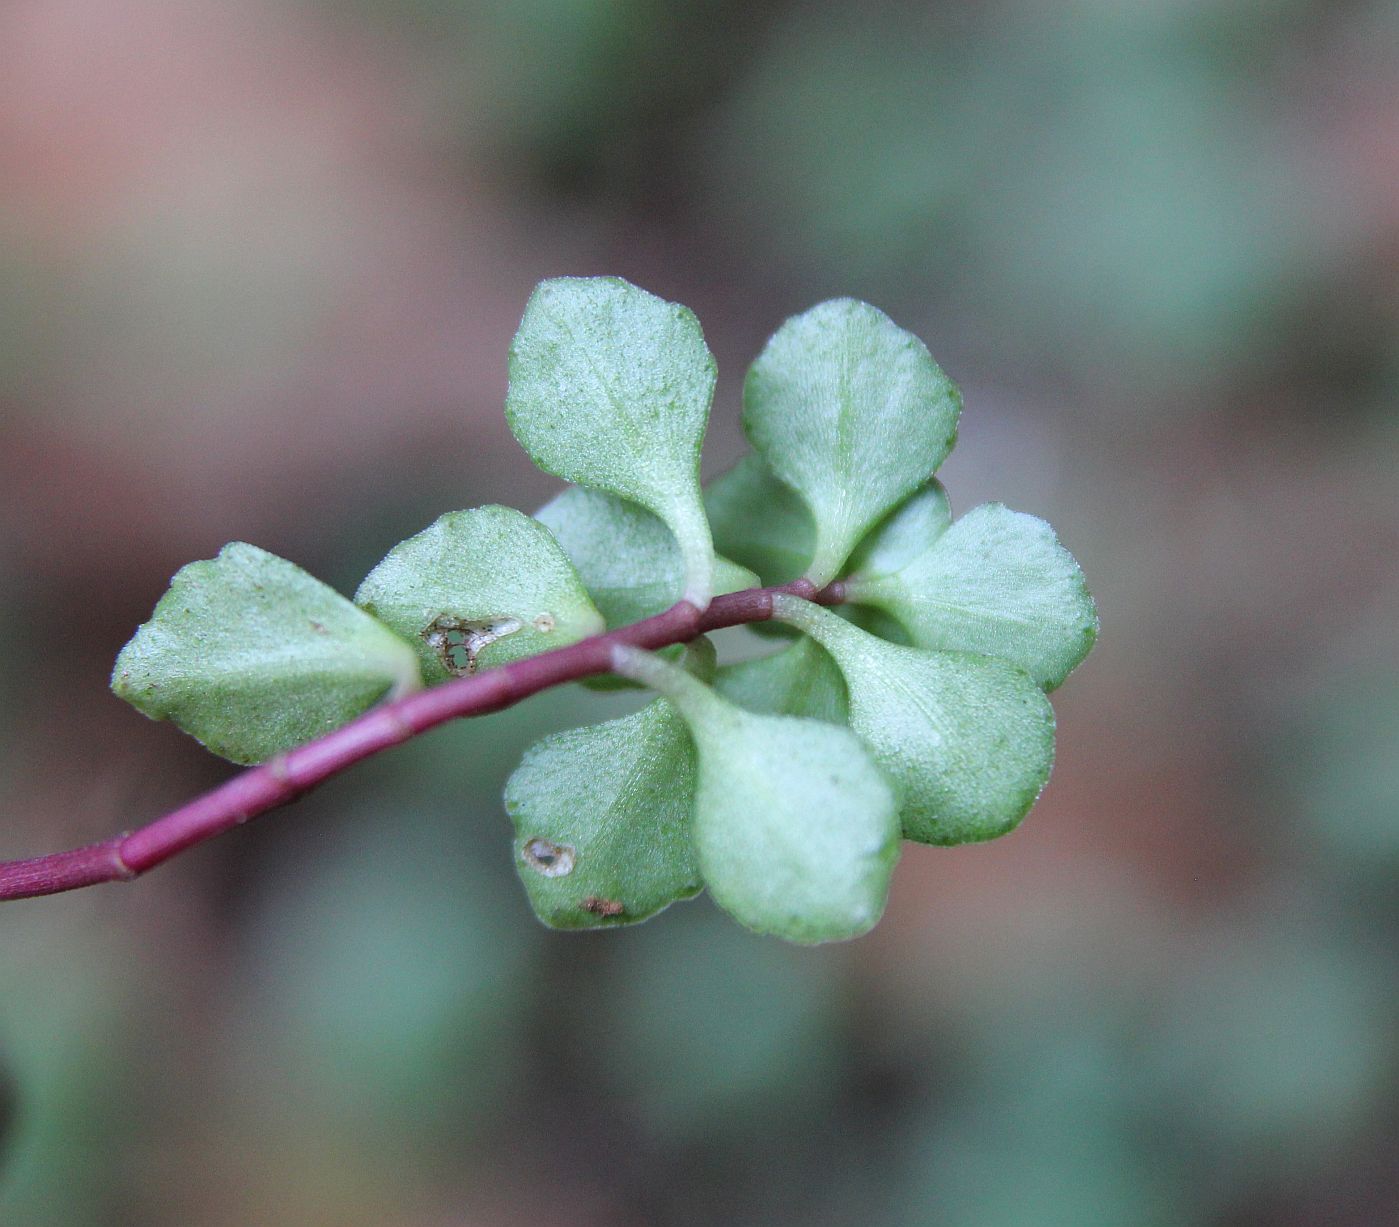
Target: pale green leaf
column 252, row 656
column 759, row 522
column 795, row 826
column 628, row 560
column 800, row 680
column 602, row 820
column 999, row 583
column 905, row 533
column 851, row 412
column 610, row 387
column 479, row 588
column 967, row 740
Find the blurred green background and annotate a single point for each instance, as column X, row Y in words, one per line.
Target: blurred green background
column 259, row 266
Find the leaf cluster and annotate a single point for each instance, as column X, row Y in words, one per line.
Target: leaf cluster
column 783, row 784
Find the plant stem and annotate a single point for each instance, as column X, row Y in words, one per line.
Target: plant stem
column 287, row 776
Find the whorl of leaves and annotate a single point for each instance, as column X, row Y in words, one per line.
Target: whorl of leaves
column 781, row 783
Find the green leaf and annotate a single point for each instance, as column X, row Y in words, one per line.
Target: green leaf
column 627, row 559
column 759, row 522
column 905, row 533
column 602, row 816
column 602, row 820
column 794, row 825
column 252, row 656
column 610, row 387
column 999, row 583
column 800, row 680
column 479, row 588
column 852, row 413
column 967, row 740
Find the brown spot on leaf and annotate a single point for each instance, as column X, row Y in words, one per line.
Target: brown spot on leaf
column 456, row 642
column 602, row 907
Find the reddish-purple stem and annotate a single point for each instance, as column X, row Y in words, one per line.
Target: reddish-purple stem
column 288, row 776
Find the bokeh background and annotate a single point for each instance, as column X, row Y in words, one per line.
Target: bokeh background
column 259, row 266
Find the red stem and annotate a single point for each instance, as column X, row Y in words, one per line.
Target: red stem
column 287, row 776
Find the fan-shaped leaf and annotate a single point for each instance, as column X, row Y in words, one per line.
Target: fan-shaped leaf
column 795, row 826
column 249, row 654
column 479, row 588
column 967, row 740
column 610, row 387
column 602, row 820
column 997, row 582
column 850, row 411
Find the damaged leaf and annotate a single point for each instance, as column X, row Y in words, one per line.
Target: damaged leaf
column 479, row 588
column 602, row 815
column 602, row 820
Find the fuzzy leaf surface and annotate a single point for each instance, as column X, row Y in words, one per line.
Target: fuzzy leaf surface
column 760, row 522
column 610, row 387
column 851, row 412
column 795, row 826
column 251, row 655
column 602, row 820
column 479, row 588
column 996, row 582
column 967, row 740
column 628, row 560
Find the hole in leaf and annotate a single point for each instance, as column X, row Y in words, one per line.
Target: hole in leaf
column 551, row 859
column 457, row 642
